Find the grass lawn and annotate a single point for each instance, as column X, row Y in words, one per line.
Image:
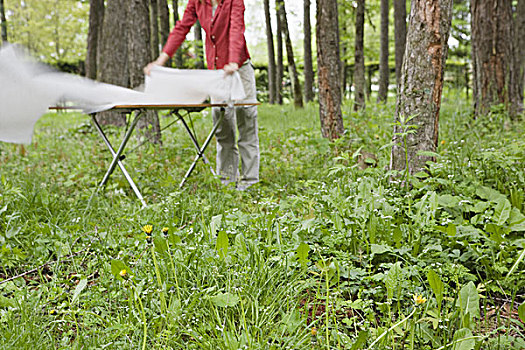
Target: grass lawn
column 331, row 250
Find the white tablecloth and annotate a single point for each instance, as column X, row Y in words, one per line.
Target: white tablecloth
column 29, row 88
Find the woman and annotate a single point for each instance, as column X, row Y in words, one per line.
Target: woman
column 223, row 22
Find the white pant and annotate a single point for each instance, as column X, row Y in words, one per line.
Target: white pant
column 245, row 120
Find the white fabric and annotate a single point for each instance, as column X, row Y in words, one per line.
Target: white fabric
column 28, row 88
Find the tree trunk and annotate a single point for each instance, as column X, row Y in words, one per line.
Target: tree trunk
column 329, row 69
column 292, row 70
column 308, row 66
column 113, row 53
column 419, row 96
column 139, row 55
column 359, row 66
column 179, row 61
column 164, row 25
column 272, row 88
column 154, row 27
column 199, row 50
column 400, row 29
column 96, row 20
column 492, row 53
column 519, row 53
column 279, row 72
column 3, row 22
column 384, row 71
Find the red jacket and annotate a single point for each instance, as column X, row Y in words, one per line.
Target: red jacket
column 225, row 42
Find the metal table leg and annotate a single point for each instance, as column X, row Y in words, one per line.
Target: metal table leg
column 195, row 141
column 116, row 155
column 201, row 150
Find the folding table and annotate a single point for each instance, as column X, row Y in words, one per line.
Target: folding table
column 136, row 112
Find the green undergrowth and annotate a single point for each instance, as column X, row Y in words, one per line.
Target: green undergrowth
column 331, row 250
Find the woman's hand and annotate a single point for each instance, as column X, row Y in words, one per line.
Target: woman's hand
column 160, row 61
column 231, row 67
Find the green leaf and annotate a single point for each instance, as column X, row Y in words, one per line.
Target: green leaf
column 469, row 300
column 380, row 249
column 80, row 287
column 428, row 154
column 502, row 212
column 480, row 207
column 460, row 343
column 516, row 220
column 222, row 244
column 393, row 279
column 117, row 266
column 302, row 253
column 451, row 230
column 215, row 224
column 448, row 201
column 161, row 246
column 521, row 312
column 489, row 194
column 437, row 286
column 361, row 340
column 225, row 300
column 6, row 302
column 515, row 266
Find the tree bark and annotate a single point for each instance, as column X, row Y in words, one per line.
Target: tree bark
column 492, row 54
column 308, row 66
column 113, row 53
column 419, row 97
column 154, row 27
column 3, row 22
column 400, row 29
column 292, row 70
column 329, row 69
column 179, row 60
column 384, row 71
column 198, row 45
column 359, row 66
column 519, row 53
column 279, row 72
column 139, row 55
column 96, row 20
column 272, row 88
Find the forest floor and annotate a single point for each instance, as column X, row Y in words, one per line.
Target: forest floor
column 330, row 250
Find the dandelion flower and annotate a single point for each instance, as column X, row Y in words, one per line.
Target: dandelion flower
column 53, row 312
column 314, row 331
column 419, row 299
column 123, row 273
column 442, row 142
column 165, row 231
column 147, row 229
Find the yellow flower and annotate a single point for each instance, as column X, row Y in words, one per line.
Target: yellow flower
column 53, row 312
column 123, row 273
column 314, row 331
column 165, row 231
column 147, row 229
column 442, row 142
column 419, row 299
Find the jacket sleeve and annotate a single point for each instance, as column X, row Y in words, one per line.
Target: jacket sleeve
column 178, row 34
column 237, row 28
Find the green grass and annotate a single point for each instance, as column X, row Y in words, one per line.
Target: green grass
column 319, row 254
